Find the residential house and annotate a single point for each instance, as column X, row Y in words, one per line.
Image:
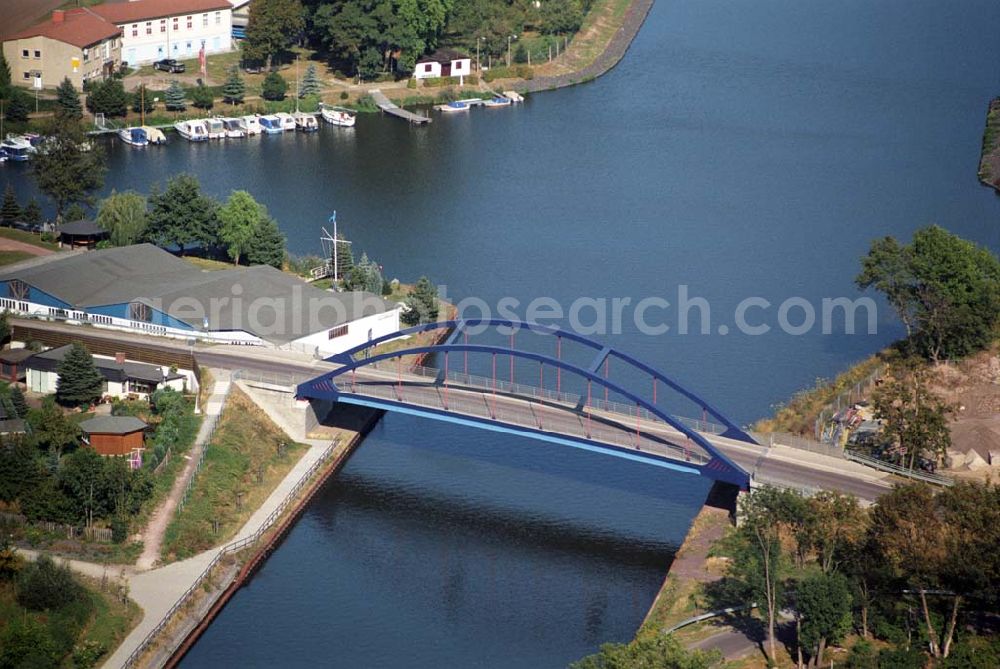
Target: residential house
column 122, row 378
column 443, row 63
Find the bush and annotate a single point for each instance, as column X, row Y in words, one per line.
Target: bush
column 525, row 72
column 411, row 83
column 44, row 585
column 344, row 95
column 274, row 87
column 494, row 73
column 202, row 98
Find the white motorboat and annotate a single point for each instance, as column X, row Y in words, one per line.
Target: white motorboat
column 338, row 116
column 305, row 122
column 133, row 136
column 193, row 131
column 252, row 124
column 498, row 101
column 154, row 135
column 456, row 106
column 234, row 127
column 271, row 125
column 287, row 120
column 214, row 128
column 17, row 147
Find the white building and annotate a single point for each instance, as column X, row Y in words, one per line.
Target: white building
column 443, row 63
column 145, row 289
column 157, row 29
column 122, row 378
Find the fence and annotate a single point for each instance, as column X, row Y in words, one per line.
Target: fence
column 936, row 479
column 799, row 442
column 213, row 424
column 101, row 534
column 229, row 549
column 846, row 398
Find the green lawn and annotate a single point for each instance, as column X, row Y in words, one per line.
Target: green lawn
column 27, row 238
column 11, row 257
column 208, row 263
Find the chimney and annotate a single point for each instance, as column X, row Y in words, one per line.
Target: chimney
column 119, row 358
column 58, row 16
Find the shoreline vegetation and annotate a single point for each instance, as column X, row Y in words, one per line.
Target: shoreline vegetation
column 989, row 161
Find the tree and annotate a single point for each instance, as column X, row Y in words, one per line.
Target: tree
column 18, row 106
column 915, row 420
column 310, row 84
column 75, row 212
column 271, row 28
column 945, row 290
column 46, row 586
column 79, row 381
column 5, row 330
column 68, row 100
column 125, row 216
column 33, row 212
column 18, row 402
column 64, row 170
column 108, row 98
column 10, row 211
column 182, row 215
column 5, row 86
column 834, row 522
column 823, row 604
column 52, row 430
column 559, row 17
column 366, row 275
column 142, row 101
column 234, row 90
column 662, row 651
column 175, row 98
column 422, row 303
column 274, row 87
column 240, row 220
column 344, row 256
column 268, row 245
column 202, row 98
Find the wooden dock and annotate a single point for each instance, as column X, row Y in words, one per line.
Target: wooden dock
column 387, row 105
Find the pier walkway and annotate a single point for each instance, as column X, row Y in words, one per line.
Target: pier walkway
column 389, row 107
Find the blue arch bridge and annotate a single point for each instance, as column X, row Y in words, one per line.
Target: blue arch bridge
column 552, row 395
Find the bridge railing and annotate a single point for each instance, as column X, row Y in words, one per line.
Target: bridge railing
column 570, row 425
column 597, row 403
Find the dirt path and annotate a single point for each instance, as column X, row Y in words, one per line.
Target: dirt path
column 15, row 245
column 152, row 536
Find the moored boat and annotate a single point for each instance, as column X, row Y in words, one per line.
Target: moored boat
column 456, row 106
column 154, row 135
column 214, row 128
column 234, row 127
column 498, row 101
column 286, row 120
column 133, row 136
column 193, row 131
column 305, row 122
column 337, row 116
column 252, row 124
column 271, row 125
column 17, row 147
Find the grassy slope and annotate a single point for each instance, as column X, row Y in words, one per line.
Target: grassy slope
column 245, row 441
column 27, row 238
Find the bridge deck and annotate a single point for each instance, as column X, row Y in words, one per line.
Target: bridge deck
column 551, row 416
column 389, row 107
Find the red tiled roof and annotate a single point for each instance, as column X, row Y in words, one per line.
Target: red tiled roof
column 145, row 10
column 78, row 27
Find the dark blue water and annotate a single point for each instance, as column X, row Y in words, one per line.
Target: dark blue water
column 741, row 149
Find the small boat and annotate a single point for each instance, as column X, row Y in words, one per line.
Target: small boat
column 214, row 128
column 455, row 106
column 305, row 122
column 251, row 124
column 193, row 131
column 498, row 101
column 271, row 125
column 154, row 135
column 287, row 121
column 133, row 136
column 234, row 127
column 17, row 147
column 337, row 116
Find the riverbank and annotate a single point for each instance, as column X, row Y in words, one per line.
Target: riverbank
column 989, row 160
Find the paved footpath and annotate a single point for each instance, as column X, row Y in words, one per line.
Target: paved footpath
column 153, row 535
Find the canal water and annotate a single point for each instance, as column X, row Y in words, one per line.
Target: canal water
column 740, row 150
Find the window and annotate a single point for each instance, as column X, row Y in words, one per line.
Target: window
column 135, row 31
column 27, row 75
column 149, row 28
column 18, row 289
column 176, row 27
column 190, row 22
column 159, row 51
column 86, row 55
column 338, row 331
column 38, row 54
column 204, row 20
column 163, row 25
column 24, row 53
column 137, row 311
column 218, row 18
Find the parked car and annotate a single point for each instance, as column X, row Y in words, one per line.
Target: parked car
column 168, row 65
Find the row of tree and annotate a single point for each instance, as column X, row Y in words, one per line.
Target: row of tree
column 841, row 567
column 183, row 216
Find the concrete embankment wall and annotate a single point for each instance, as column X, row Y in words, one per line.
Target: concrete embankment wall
column 277, row 536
